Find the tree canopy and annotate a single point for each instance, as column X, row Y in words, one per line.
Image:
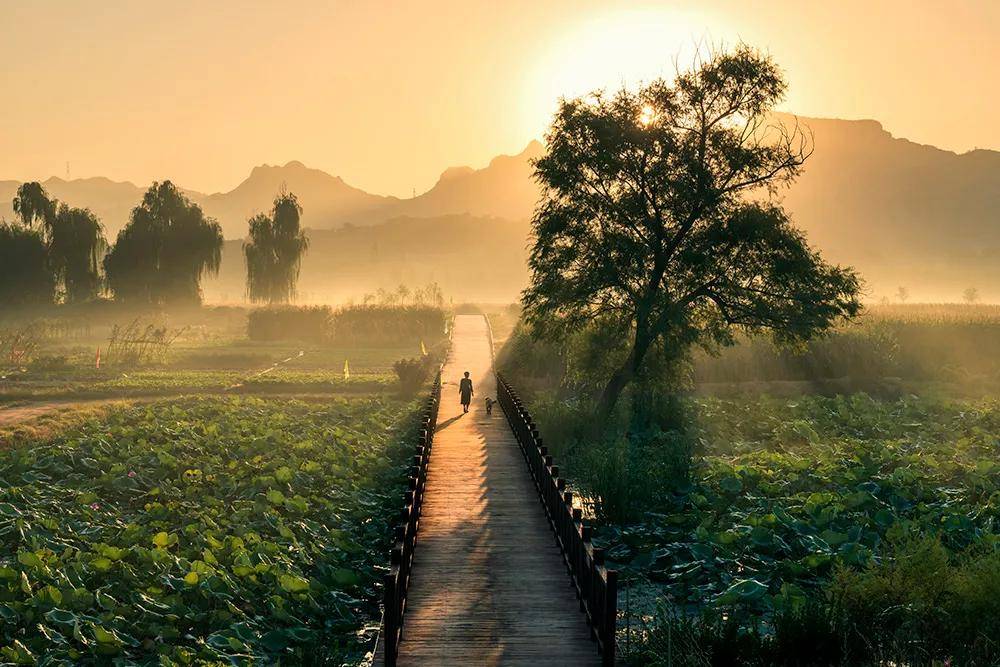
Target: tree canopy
column 274, row 252
column 72, row 240
column 25, row 278
column 164, row 251
column 76, row 246
column 658, row 217
column 32, row 204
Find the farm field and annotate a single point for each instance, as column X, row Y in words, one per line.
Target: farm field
column 798, row 514
column 207, row 528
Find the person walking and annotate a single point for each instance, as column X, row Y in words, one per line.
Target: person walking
column 466, row 392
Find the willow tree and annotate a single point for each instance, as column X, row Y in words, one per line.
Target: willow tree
column 274, row 252
column 73, row 241
column 76, row 246
column 658, row 218
column 32, row 204
column 25, row 278
column 164, row 251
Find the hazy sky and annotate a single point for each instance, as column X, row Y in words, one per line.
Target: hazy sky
column 388, row 94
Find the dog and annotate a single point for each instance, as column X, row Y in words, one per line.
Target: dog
column 489, row 406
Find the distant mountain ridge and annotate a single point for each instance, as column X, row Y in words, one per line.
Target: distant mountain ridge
column 502, row 189
column 902, row 213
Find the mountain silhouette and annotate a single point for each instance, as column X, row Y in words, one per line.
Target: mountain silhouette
column 901, row 212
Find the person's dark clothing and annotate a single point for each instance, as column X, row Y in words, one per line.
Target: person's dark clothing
column 465, row 389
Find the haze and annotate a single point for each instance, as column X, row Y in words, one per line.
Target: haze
column 386, row 95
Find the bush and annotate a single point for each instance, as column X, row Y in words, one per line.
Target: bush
column 412, row 373
column 388, row 325
column 920, row 604
column 309, row 323
column 48, row 363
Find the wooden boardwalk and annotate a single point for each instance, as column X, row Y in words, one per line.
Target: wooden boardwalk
column 488, row 586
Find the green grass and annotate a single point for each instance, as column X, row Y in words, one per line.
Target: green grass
column 206, row 529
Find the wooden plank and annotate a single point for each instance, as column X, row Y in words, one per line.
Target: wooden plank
column 489, row 586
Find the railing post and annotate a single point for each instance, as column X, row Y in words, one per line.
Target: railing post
column 610, row 619
column 401, row 554
column 595, row 584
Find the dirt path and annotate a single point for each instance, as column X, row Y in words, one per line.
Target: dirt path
column 29, row 410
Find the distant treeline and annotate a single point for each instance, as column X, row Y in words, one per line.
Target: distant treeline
column 360, row 325
column 58, row 254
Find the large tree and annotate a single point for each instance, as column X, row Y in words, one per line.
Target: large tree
column 76, row 245
column 32, row 204
column 658, row 217
column 274, row 252
column 73, row 241
column 164, row 251
column 25, row 278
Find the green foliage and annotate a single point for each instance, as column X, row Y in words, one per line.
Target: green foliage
column 413, row 372
column 163, row 252
column 274, row 253
column 25, row 278
column 73, row 237
column 655, row 219
column 76, row 247
column 210, row 530
column 388, row 325
column 310, row 323
column 921, row 603
column 32, row 204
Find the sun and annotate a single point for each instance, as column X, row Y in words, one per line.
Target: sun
column 647, row 115
column 623, row 47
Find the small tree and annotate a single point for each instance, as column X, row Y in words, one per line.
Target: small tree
column 902, row 294
column 274, row 254
column 655, row 218
column 164, row 251
column 970, row 295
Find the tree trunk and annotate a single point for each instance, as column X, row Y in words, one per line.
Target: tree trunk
column 614, row 388
column 624, row 375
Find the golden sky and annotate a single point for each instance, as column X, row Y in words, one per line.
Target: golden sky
column 388, row 94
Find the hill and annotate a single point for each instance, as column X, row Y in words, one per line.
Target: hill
column 904, row 214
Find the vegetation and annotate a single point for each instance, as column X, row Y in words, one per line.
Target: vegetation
column 810, row 522
column 351, row 325
column 214, row 529
column 163, row 252
column 413, row 372
column 654, row 222
column 76, row 248
column 25, row 278
column 311, row 323
column 67, row 245
column 274, row 254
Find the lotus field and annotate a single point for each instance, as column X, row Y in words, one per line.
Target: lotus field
column 200, row 530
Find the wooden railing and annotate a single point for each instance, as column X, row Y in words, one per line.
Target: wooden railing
column 397, row 581
column 596, row 585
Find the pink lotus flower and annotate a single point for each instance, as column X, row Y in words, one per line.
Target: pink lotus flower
column 95, row 506
column 131, row 473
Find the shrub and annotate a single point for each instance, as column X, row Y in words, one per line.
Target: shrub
column 388, row 325
column 309, row 323
column 48, row 363
column 919, row 604
column 412, row 373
